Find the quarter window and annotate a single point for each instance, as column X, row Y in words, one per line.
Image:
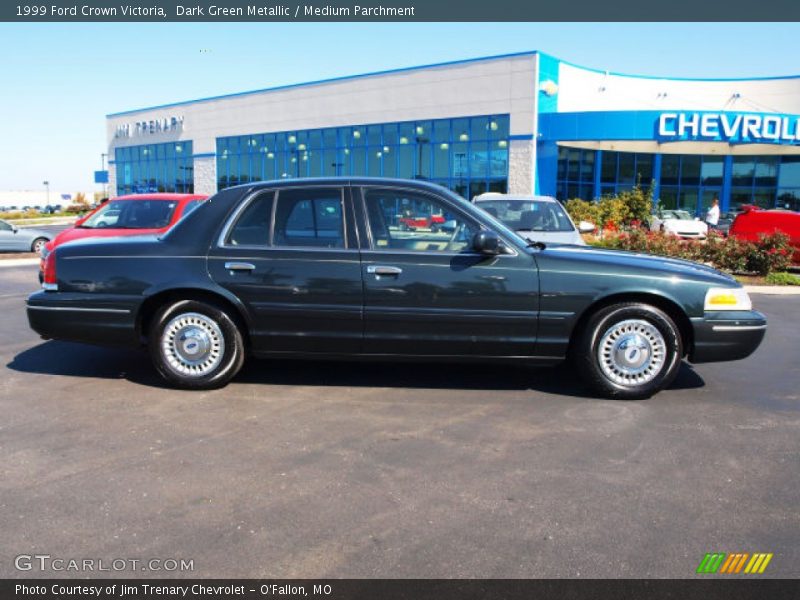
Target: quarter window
column 252, row 227
column 406, row 221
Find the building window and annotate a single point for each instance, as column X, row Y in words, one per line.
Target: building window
column 154, row 168
column 754, row 180
column 576, row 173
column 468, row 155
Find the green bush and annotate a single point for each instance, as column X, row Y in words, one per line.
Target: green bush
column 771, row 253
column 581, row 210
column 629, row 208
column 782, row 278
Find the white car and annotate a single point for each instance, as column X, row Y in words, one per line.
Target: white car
column 535, row 218
column 680, row 223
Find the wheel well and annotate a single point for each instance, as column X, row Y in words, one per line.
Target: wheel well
column 672, row 309
column 151, row 305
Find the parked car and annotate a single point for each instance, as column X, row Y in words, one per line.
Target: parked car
column 754, row 221
column 535, row 218
column 16, row 239
column 317, row 268
column 680, row 223
column 143, row 214
column 725, row 221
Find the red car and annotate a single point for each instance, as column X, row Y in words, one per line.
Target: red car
column 433, row 222
column 138, row 214
column 755, row 221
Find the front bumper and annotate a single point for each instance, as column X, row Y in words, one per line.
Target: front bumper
column 75, row 317
column 728, row 335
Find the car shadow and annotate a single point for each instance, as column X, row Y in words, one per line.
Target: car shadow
column 83, row 360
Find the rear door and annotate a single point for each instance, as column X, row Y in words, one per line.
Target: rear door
column 426, row 292
column 291, row 256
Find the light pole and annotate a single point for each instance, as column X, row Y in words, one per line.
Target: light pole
column 46, row 184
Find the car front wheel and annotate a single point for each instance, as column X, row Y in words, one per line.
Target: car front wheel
column 629, row 351
column 195, row 345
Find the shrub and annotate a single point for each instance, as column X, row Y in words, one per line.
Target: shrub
column 627, row 209
column 581, row 210
column 782, row 278
column 771, row 253
column 774, row 253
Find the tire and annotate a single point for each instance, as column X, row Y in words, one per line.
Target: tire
column 195, row 345
column 628, row 351
column 38, row 245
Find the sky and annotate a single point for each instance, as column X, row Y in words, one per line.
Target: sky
column 60, row 80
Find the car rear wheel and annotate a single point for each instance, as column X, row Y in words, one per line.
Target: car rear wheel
column 195, row 345
column 629, row 351
column 38, row 245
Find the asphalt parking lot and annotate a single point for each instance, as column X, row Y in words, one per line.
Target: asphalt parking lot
column 360, row 470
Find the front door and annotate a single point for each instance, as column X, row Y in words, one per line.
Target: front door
column 426, row 292
column 291, row 256
column 10, row 239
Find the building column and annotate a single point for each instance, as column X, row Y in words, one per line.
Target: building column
column 598, row 167
column 205, row 174
column 521, row 177
column 546, row 168
column 112, row 180
column 727, row 181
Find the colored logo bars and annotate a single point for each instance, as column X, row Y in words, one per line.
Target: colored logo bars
column 720, row 562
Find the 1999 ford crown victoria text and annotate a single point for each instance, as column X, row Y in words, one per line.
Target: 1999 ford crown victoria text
column 324, row 268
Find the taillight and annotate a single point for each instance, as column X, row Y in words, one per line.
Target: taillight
column 50, row 282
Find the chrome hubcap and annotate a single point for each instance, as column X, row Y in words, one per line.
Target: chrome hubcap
column 193, row 344
column 632, row 352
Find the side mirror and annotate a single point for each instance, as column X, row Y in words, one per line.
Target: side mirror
column 486, row 242
column 586, row 227
column 14, row 229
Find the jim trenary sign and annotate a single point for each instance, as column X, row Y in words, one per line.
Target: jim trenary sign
column 729, row 127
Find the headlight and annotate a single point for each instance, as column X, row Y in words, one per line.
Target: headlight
column 727, row 299
column 44, row 252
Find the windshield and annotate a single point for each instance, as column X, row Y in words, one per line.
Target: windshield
column 528, row 215
column 132, row 214
column 680, row 215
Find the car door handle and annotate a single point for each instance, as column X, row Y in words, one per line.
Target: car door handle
column 381, row 270
column 239, row 266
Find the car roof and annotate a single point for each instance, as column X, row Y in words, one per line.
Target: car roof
column 367, row 181
column 160, row 196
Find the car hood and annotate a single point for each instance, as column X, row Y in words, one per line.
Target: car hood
column 682, row 225
column 660, row 266
column 77, row 233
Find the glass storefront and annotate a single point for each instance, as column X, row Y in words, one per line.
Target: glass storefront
column 685, row 181
column 467, row 155
column 155, row 168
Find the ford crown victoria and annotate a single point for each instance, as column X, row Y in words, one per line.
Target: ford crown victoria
column 323, row 268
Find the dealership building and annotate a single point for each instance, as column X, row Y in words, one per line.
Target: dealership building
column 525, row 123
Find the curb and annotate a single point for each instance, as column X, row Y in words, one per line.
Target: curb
column 774, row 290
column 19, row 262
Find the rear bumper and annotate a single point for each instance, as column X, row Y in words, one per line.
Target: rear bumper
column 727, row 335
column 78, row 318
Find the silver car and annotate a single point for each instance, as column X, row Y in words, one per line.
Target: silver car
column 13, row 238
column 535, row 218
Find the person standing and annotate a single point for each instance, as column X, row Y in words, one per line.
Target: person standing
column 712, row 216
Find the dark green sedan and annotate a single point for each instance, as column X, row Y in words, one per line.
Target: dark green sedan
column 323, row 268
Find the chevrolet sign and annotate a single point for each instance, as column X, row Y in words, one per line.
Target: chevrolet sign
column 730, row 127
